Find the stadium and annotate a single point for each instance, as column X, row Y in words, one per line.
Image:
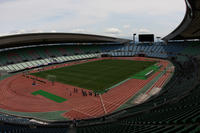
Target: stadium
column 86, row 83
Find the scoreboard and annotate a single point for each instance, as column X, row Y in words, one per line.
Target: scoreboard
column 146, row 37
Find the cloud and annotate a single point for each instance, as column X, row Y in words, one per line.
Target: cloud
column 34, row 31
column 21, row 31
column 144, row 31
column 113, row 31
column 79, row 30
column 53, row 31
column 67, row 15
column 126, row 26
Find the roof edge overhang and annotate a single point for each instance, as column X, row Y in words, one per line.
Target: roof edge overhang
column 176, row 34
column 19, row 40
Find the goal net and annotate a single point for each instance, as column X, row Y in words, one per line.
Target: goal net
column 51, row 78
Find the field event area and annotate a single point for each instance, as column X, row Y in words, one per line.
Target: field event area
column 96, row 75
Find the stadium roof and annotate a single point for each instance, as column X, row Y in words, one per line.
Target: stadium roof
column 190, row 26
column 50, row 38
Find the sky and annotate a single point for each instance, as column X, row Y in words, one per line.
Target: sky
column 118, row 18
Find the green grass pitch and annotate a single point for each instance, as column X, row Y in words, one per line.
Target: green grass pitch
column 96, row 75
column 49, row 96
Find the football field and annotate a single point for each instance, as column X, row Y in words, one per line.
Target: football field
column 96, row 75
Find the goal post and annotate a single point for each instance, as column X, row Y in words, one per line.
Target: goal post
column 51, row 78
column 3, row 73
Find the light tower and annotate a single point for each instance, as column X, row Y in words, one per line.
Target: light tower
column 158, row 39
column 134, row 41
column 134, row 35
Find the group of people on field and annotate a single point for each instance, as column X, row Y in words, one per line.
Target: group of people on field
column 84, row 93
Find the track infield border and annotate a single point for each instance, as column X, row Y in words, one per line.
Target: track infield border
column 111, row 106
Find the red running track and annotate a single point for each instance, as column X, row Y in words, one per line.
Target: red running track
column 16, row 95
